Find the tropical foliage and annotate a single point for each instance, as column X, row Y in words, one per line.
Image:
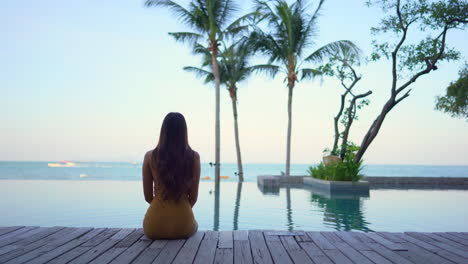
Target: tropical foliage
column 455, row 100
column 286, row 42
column 234, row 68
column 346, row 170
column 210, row 21
column 410, row 55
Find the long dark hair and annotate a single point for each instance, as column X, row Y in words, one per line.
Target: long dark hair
column 173, row 157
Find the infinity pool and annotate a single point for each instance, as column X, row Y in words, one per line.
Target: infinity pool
column 240, row 206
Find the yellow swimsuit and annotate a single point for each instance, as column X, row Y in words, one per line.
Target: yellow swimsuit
column 169, row 219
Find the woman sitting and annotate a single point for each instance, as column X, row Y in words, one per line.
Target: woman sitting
column 171, row 173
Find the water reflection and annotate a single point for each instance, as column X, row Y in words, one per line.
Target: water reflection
column 237, row 206
column 288, row 209
column 341, row 212
column 344, row 213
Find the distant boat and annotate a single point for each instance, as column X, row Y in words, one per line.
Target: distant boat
column 62, row 164
column 206, row 178
column 224, row 177
column 83, row 175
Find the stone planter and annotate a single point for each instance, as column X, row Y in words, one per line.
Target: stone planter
column 337, row 187
column 330, row 159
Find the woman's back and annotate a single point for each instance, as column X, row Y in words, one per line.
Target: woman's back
column 166, row 217
column 171, row 173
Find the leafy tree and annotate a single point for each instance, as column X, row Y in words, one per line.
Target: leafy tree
column 290, row 33
column 341, row 65
column 411, row 60
column 209, row 20
column 233, row 67
column 455, row 101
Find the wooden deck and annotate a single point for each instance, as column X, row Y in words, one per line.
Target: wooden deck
column 113, row 245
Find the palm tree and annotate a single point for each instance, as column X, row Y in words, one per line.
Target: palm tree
column 291, row 30
column 209, row 19
column 233, row 68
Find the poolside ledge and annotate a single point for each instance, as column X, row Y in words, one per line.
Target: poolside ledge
column 274, row 182
column 30, row 244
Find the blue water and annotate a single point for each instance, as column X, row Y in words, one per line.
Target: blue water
column 126, row 171
column 240, row 206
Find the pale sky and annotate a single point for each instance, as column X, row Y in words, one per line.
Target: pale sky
column 92, row 81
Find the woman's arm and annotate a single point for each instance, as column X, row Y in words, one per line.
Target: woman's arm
column 147, row 178
column 193, row 196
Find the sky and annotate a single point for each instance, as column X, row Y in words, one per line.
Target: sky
column 92, row 81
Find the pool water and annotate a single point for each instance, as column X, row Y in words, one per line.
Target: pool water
column 240, row 206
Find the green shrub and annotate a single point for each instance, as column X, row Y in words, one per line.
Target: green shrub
column 346, row 170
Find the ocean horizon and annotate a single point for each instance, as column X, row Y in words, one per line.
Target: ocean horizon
column 131, row 171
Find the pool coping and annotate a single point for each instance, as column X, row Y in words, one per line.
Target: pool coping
column 374, row 182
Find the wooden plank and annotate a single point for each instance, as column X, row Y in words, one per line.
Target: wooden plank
column 44, row 248
column 416, row 253
column 188, row 252
column 211, row 235
column 260, row 252
column 224, row 256
column 297, row 254
column 169, row 252
column 351, row 253
column 6, row 230
column 132, row 252
column 151, row 252
column 70, row 255
column 94, row 241
column 18, row 234
column 458, row 235
column 78, row 232
column 445, row 241
column 277, row 250
column 386, row 243
column 99, row 249
column 383, row 251
column 61, row 249
column 375, row 257
column 8, row 248
column 120, row 247
column 362, row 238
column 315, row 253
column 284, row 233
column 348, row 238
column 206, row 252
column 31, row 243
column 43, row 233
column 331, row 237
column 302, row 238
column 130, row 239
column 77, row 251
column 415, row 241
column 389, row 237
column 124, row 232
column 225, row 239
column 389, row 254
column 320, row 240
column 241, row 235
column 242, row 252
column 453, row 238
column 444, row 250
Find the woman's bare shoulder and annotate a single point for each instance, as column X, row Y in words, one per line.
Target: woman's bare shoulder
column 196, row 155
column 148, row 154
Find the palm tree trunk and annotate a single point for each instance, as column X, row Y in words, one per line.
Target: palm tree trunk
column 214, row 55
column 240, row 170
column 288, row 144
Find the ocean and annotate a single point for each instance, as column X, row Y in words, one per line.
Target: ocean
column 128, row 171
